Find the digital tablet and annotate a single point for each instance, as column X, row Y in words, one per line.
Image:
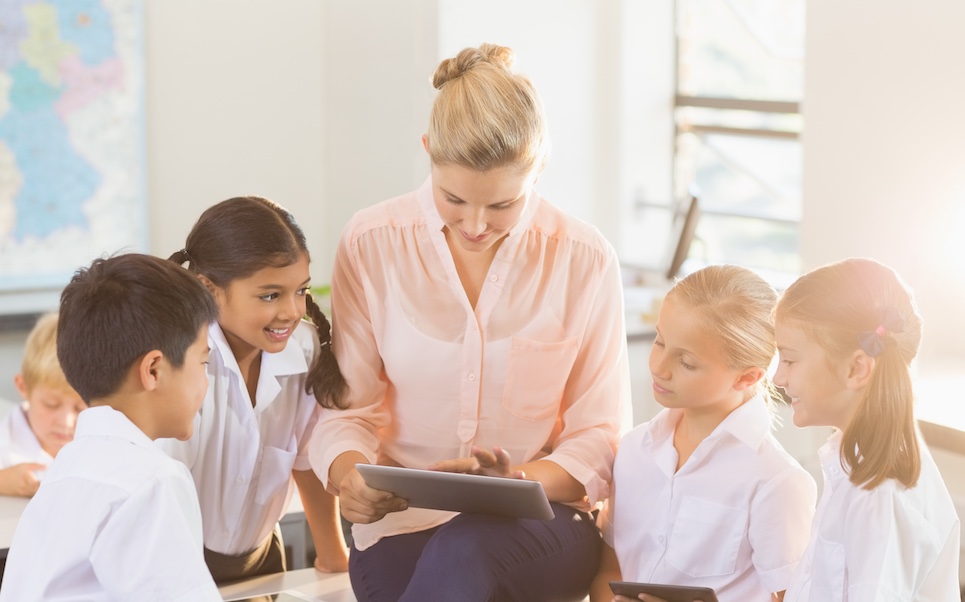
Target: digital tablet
column 296, row 596
column 459, row 492
column 670, row 593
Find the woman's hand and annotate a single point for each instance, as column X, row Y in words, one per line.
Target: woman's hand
column 496, row 463
column 360, row 503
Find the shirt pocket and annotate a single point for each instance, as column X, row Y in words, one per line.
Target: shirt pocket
column 275, row 474
column 827, row 571
column 706, row 538
column 536, row 374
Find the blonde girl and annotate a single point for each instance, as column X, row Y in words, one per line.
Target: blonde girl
column 886, row 528
column 269, row 374
column 704, row 494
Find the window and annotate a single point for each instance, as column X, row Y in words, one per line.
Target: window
column 739, row 83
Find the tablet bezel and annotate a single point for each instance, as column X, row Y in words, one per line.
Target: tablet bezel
column 460, row 492
column 670, row 593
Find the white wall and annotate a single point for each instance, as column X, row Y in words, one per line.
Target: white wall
column 884, row 157
column 235, row 93
column 320, row 106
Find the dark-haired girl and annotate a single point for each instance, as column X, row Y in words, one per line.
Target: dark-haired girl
column 270, row 374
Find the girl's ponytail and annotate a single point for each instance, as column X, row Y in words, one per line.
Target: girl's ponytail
column 324, row 379
column 881, row 441
column 180, row 257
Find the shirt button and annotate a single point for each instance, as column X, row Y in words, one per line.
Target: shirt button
column 241, row 480
column 472, row 376
column 493, row 278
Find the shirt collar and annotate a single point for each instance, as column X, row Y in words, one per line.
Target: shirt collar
column 105, row 421
column 290, row 360
column 749, row 423
column 830, row 455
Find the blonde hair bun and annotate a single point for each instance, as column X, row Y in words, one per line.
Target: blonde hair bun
column 485, row 116
column 454, row 68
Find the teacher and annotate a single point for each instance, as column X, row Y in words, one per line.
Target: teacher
column 480, row 330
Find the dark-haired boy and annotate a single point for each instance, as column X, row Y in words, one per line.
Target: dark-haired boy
column 115, row 518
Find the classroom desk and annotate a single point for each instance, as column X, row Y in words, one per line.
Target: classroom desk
column 10, row 510
column 311, row 584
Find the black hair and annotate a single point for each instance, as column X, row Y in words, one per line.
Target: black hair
column 237, row 237
column 118, row 309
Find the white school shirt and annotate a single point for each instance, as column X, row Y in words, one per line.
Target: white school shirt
column 735, row 517
column 18, row 443
column 890, row 544
column 241, row 456
column 538, row 367
column 114, row 519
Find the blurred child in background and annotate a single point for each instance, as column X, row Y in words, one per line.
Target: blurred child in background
column 34, row 431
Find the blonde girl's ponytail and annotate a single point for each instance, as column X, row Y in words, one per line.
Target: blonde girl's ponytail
column 881, row 440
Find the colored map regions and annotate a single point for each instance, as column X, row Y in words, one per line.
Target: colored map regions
column 71, row 137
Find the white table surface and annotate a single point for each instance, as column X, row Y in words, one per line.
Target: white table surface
column 10, row 510
column 311, row 584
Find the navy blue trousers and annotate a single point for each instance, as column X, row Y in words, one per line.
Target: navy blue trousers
column 475, row 557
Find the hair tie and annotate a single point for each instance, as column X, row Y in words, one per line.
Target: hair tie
column 325, row 344
column 873, row 341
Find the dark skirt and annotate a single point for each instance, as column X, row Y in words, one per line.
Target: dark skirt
column 267, row 558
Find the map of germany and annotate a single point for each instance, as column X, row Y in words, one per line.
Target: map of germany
column 71, row 137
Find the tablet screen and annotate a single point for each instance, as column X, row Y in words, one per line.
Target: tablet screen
column 458, row 492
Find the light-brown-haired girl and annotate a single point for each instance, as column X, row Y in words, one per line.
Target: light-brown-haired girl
column 886, row 528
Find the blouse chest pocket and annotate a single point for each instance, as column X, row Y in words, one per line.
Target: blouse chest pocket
column 276, row 472
column 706, row 538
column 827, row 571
column 536, row 375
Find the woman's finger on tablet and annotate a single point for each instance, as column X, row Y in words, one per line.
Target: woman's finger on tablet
column 466, row 465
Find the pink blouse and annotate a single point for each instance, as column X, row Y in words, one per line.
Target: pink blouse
column 539, row 367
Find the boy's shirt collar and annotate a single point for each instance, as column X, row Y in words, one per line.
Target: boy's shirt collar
column 105, row 421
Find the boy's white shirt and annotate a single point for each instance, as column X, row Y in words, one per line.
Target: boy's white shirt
column 887, row 544
column 242, row 457
column 18, row 443
column 735, row 517
column 115, row 519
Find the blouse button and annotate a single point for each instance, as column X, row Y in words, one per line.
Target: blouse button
column 472, row 376
column 493, row 278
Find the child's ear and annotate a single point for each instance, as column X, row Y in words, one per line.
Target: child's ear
column 425, row 142
column 860, row 368
column 149, row 369
column 748, row 378
column 21, row 386
column 213, row 288
column 207, row 283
